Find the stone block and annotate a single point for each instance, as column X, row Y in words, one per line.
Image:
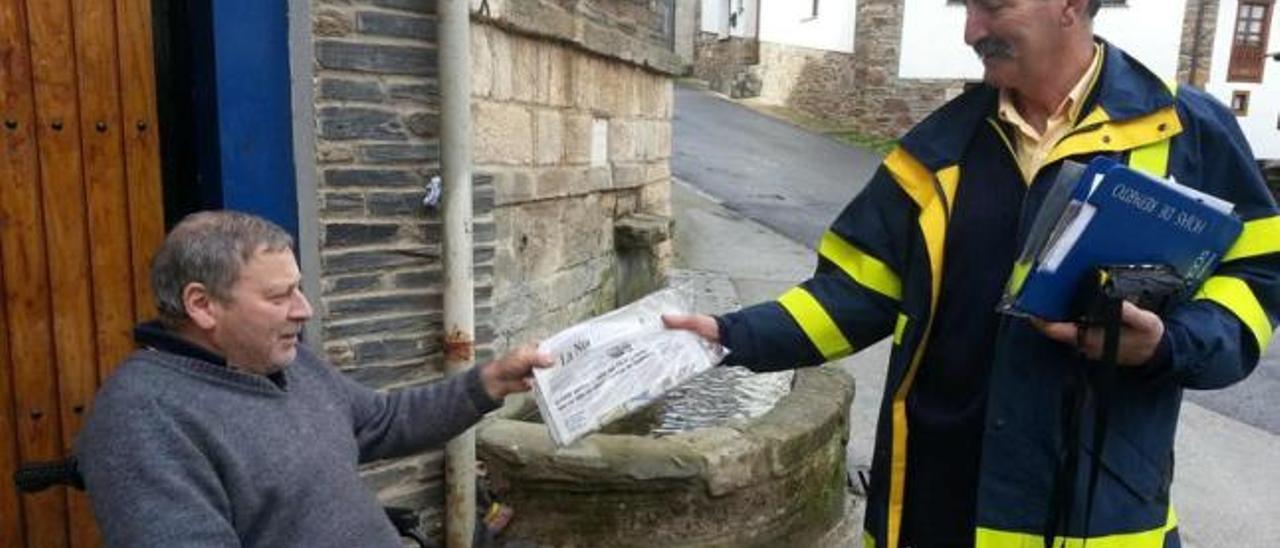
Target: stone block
column 387, row 349
column 331, row 23
column 335, row 89
column 514, row 187
column 395, row 204
column 377, row 305
column 549, row 143
column 339, row 235
column 343, row 285
column 576, row 137
column 503, row 134
column 424, row 7
column 481, row 61
column 401, row 153
column 348, row 123
column 500, row 49
column 623, row 141
column 525, row 79
column 396, row 26
column 342, row 204
column 424, row 124
column 350, row 262
column 377, row 58
column 418, row 279
column 371, row 178
column 421, row 322
column 425, row 94
column 330, row 153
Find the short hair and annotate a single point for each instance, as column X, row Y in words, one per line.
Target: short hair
column 1094, row 6
column 210, row 248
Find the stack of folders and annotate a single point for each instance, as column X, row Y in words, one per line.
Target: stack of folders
column 1108, row 214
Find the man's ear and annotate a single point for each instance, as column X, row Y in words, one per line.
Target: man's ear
column 200, row 305
column 1074, row 12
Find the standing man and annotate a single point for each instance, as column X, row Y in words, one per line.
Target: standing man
column 970, row 438
column 224, row 431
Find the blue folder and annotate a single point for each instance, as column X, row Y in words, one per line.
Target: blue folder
column 1110, row 214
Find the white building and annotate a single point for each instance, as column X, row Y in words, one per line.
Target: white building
column 881, row 65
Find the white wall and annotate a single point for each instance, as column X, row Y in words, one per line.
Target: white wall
column 715, row 17
column 790, row 22
column 933, row 37
column 1264, row 99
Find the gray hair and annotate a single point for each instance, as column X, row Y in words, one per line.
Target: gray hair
column 209, row 248
column 1094, row 6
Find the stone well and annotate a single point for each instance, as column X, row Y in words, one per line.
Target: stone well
column 776, row 480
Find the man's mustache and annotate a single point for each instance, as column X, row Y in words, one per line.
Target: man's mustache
column 991, row 47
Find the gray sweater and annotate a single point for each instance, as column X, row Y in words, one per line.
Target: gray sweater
column 183, row 452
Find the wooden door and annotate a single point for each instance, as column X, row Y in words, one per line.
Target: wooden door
column 80, row 215
column 1249, row 41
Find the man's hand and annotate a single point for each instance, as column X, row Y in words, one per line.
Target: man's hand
column 1140, row 334
column 512, row 372
column 701, row 324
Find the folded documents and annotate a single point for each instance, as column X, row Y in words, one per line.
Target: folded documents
column 614, row 364
column 1108, row 214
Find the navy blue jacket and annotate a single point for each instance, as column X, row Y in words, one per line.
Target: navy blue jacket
column 880, row 270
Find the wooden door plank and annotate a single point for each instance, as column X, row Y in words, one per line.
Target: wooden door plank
column 104, row 179
column 53, row 53
column 107, row 204
column 142, row 145
column 10, row 507
column 26, row 289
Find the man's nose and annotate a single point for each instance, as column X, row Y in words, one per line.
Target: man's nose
column 975, row 26
column 301, row 309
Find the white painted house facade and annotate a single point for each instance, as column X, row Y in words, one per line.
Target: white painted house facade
column 881, row 65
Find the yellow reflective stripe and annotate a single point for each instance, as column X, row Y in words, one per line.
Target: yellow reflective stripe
column 900, row 329
column 1152, row 538
column 1235, row 295
column 866, row 270
column 816, row 323
column 912, row 176
column 933, row 224
column 1021, row 269
column 868, row 541
column 1152, row 159
column 1260, row 237
column 1116, row 136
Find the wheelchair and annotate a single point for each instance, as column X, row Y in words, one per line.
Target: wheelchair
column 36, row 477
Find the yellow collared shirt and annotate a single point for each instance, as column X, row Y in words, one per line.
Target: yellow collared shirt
column 1032, row 147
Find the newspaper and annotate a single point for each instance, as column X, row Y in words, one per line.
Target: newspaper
column 617, row 363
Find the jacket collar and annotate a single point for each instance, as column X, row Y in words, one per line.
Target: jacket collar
column 1125, row 89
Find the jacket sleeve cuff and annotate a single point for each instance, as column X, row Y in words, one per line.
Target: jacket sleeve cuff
column 475, row 391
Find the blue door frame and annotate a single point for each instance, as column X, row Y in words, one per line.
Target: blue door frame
column 242, row 95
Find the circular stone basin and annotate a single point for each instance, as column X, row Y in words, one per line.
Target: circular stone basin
column 774, row 480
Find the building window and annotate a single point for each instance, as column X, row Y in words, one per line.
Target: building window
column 1105, row 3
column 1249, row 41
column 1240, row 103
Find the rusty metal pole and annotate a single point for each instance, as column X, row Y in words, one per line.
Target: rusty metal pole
column 459, row 299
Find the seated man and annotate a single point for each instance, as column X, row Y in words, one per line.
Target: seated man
column 224, row 431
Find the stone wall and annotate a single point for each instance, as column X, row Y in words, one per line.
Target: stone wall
column 1196, row 54
column 572, row 107
column 859, row 89
column 576, row 142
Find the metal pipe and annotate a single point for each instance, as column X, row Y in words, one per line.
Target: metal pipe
column 459, row 298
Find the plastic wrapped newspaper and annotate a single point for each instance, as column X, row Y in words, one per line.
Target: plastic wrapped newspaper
column 617, row 363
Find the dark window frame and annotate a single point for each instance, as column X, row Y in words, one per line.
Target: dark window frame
column 1240, row 103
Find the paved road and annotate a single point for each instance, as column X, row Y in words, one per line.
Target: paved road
column 796, row 182
column 757, row 189
column 788, row 179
